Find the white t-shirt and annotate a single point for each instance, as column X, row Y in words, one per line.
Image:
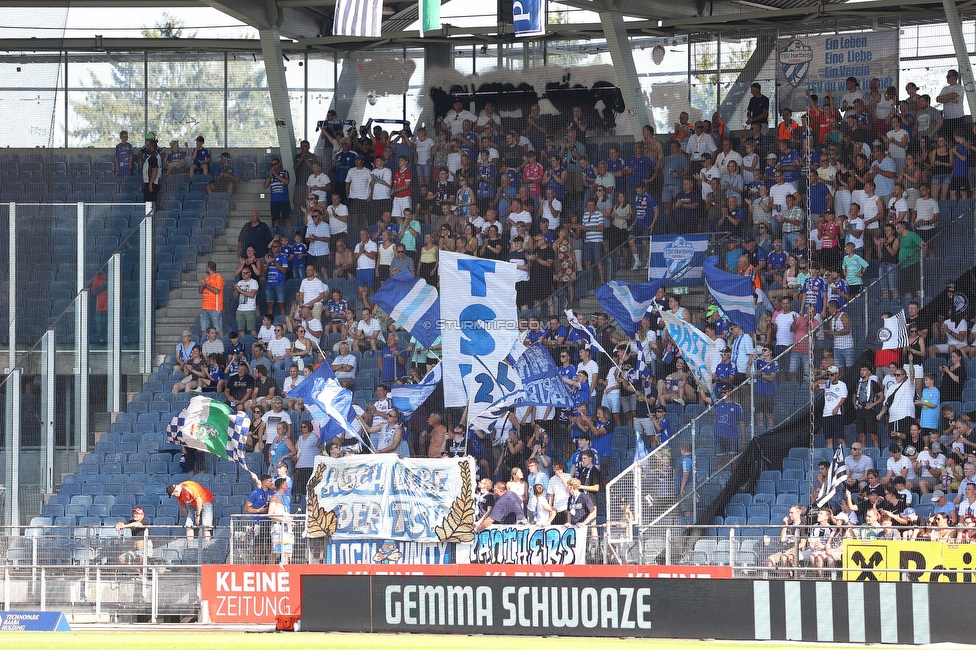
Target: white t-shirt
column 516, row 217
column 551, row 214
column 243, row 302
column 833, row 394
column 954, row 109
column 784, row 322
column 290, row 383
column 849, row 98
column 856, row 224
column 423, row 147
column 956, row 334
column 895, row 467
column 311, row 288
column 382, row 192
column 592, row 373
column 358, row 180
column 934, row 462
column 343, row 360
column 363, row 261
column 271, row 420
column 314, row 325
column 278, row 347
column 337, row 225
column 894, row 150
column 925, row 209
column 778, row 193
column 453, row 163
column 370, row 328
column 320, row 180
column 899, row 206
column 319, row 248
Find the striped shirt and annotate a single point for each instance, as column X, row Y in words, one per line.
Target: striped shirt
column 592, row 220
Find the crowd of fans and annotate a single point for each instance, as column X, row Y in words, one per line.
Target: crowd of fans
column 811, row 208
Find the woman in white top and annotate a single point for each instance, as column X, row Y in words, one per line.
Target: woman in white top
column 389, row 438
column 308, row 447
column 750, row 163
column 279, row 348
column 897, row 141
column 762, row 207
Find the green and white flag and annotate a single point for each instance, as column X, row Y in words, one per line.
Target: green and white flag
column 430, row 15
column 210, row 426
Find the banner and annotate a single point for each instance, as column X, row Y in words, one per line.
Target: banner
column 529, row 17
column 329, row 403
column 672, row 257
column 387, row 498
column 413, row 305
column 866, row 560
column 409, row 397
column 735, row 294
column 824, row 62
column 374, row 551
column 529, row 545
column 694, row 345
column 887, row 333
column 479, row 329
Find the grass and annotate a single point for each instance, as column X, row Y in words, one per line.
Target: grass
column 149, row 639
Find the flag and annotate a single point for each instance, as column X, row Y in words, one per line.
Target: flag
column 536, row 384
column 836, row 477
column 677, row 257
column 362, row 18
column 887, row 333
column 413, row 305
column 430, row 15
column 576, row 325
column 627, row 302
column 694, row 346
column 210, row 426
column 735, row 294
column 329, row 403
column 640, row 449
column 409, row 397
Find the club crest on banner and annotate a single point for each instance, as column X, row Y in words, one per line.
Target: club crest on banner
column 795, row 61
column 203, row 431
column 677, row 254
column 884, row 334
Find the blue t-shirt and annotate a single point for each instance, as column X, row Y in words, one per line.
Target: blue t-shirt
column 276, row 277
column 931, row 418
column 763, row 367
column 728, row 415
column 299, row 252
column 815, row 291
column 602, row 444
column 724, row 371
column 279, row 191
column 673, row 163
column 641, row 167
column 644, row 206
column 392, row 366
column 960, row 168
column 201, row 156
column 776, row 261
column 123, row 154
column 259, row 500
column 486, row 181
column 789, row 158
column 818, row 197
column 665, row 433
column 344, row 161
column 560, row 189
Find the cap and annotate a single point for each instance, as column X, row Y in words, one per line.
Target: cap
column 724, row 388
column 712, row 309
column 936, row 447
column 199, row 138
column 842, row 516
column 938, row 494
column 660, row 408
column 874, row 490
column 893, row 447
column 771, row 155
column 172, row 142
column 150, row 136
column 726, row 350
column 833, row 369
column 909, row 511
column 748, row 240
column 138, row 511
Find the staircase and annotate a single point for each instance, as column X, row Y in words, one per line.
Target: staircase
column 183, row 308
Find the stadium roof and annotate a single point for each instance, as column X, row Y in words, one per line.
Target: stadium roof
column 307, row 24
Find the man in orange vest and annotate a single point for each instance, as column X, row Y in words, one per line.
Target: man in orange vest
column 212, row 290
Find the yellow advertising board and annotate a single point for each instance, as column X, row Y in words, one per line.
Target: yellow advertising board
column 903, row 561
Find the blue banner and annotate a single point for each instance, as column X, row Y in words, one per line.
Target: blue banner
column 672, row 257
column 541, row 386
column 627, row 302
column 694, row 346
column 376, row 551
column 33, row 622
column 529, row 17
column 413, row 305
column 735, row 294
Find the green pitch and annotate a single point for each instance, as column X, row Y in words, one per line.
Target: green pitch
column 149, row 639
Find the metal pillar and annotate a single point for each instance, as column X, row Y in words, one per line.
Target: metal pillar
column 962, row 52
column 48, row 387
column 623, row 62
column 274, row 67
column 81, row 365
column 147, row 329
column 750, row 72
column 114, row 347
column 12, row 287
column 12, row 446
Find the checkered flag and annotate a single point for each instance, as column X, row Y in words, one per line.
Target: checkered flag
column 836, row 477
column 210, row 426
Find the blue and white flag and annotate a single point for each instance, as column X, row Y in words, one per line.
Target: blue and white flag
column 627, row 302
column 529, row 17
column 480, row 328
column 362, row 18
column 678, row 258
column 329, row 403
column 735, row 294
column 536, row 384
column 587, row 334
column 409, row 397
column 413, row 305
column 694, row 346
